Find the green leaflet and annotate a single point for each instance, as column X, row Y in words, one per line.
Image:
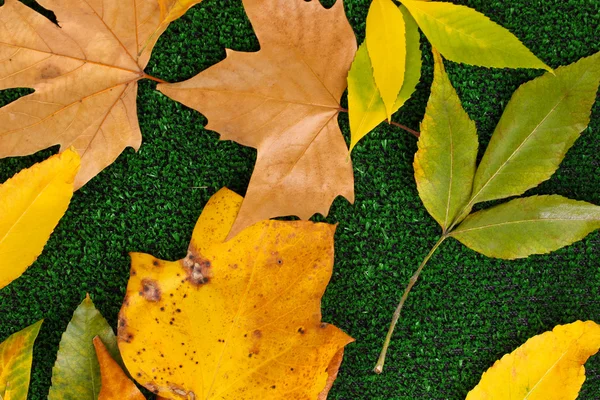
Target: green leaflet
column 531, row 225
column 365, row 106
column 15, row 362
column 76, row 373
column 445, row 162
column 386, row 43
column 540, row 123
column 464, row 35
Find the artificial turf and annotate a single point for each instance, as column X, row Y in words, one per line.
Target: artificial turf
column 466, row 311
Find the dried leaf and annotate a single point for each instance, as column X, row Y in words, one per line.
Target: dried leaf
column 76, row 373
column 15, row 363
column 539, row 125
column 84, row 73
column 386, row 42
column 31, row 204
column 464, row 35
column 365, row 106
column 547, row 367
column 531, row 225
column 284, row 101
column 170, row 10
column 236, row 319
column 115, row 384
column 445, row 162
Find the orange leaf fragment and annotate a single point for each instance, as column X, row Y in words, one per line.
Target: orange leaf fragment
column 84, row 73
column 115, row 384
column 238, row 319
column 284, row 101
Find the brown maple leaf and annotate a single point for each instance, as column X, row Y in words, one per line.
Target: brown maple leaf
column 84, row 72
column 284, row 101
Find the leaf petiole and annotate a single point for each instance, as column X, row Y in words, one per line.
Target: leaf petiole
column 379, row 367
column 152, row 78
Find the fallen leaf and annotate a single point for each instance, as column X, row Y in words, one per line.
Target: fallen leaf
column 170, row 10
column 541, row 122
column 115, row 384
column 547, row 367
column 15, row 363
column 236, row 319
column 76, row 373
column 464, row 35
column 284, row 101
column 386, row 43
column 84, row 73
column 445, row 162
column 365, row 106
column 31, row 204
column 530, row 225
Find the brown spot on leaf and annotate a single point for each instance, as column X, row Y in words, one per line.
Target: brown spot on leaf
column 257, row 334
column 50, row 72
column 150, row 290
column 199, row 270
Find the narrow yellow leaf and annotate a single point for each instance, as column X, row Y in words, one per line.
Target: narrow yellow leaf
column 170, row 10
column 386, row 42
column 31, row 204
column 365, row 106
column 115, row 383
column 464, row 35
column 547, row 367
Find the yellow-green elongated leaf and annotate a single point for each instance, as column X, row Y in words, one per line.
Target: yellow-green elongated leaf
column 365, row 106
column 547, row 367
column 464, row 35
column 31, row 204
column 445, row 162
column 15, row 362
column 386, row 43
column 530, row 225
column 76, row 373
column 540, row 123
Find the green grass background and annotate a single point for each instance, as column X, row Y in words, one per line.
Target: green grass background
column 466, row 311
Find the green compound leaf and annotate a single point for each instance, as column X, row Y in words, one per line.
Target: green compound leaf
column 464, row 35
column 445, row 162
column 365, row 106
column 530, row 225
column 540, row 124
column 76, row 373
column 15, row 362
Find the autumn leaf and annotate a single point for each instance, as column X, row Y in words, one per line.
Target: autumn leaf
column 386, row 43
column 464, row 35
column 15, row 363
column 365, row 106
column 84, row 73
column 540, row 123
column 445, row 162
column 115, row 384
column 76, row 373
column 236, row 319
column 31, row 204
column 547, row 367
column 284, row 101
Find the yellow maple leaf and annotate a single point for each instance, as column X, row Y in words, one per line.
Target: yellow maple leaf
column 236, row 319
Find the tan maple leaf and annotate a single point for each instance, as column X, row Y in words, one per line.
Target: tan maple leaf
column 284, row 101
column 84, row 71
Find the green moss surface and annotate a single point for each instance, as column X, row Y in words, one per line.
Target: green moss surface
column 464, row 313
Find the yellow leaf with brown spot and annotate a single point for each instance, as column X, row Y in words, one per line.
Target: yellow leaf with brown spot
column 31, row 204
column 547, row 367
column 234, row 320
column 170, row 10
column 115, row 384
column 15, row 363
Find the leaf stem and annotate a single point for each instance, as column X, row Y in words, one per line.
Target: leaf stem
column 152, row 78
column 379, row 367
column 406, row 128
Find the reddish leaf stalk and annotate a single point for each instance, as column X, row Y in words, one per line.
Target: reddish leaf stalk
column 406, row 128
column 152, row 78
